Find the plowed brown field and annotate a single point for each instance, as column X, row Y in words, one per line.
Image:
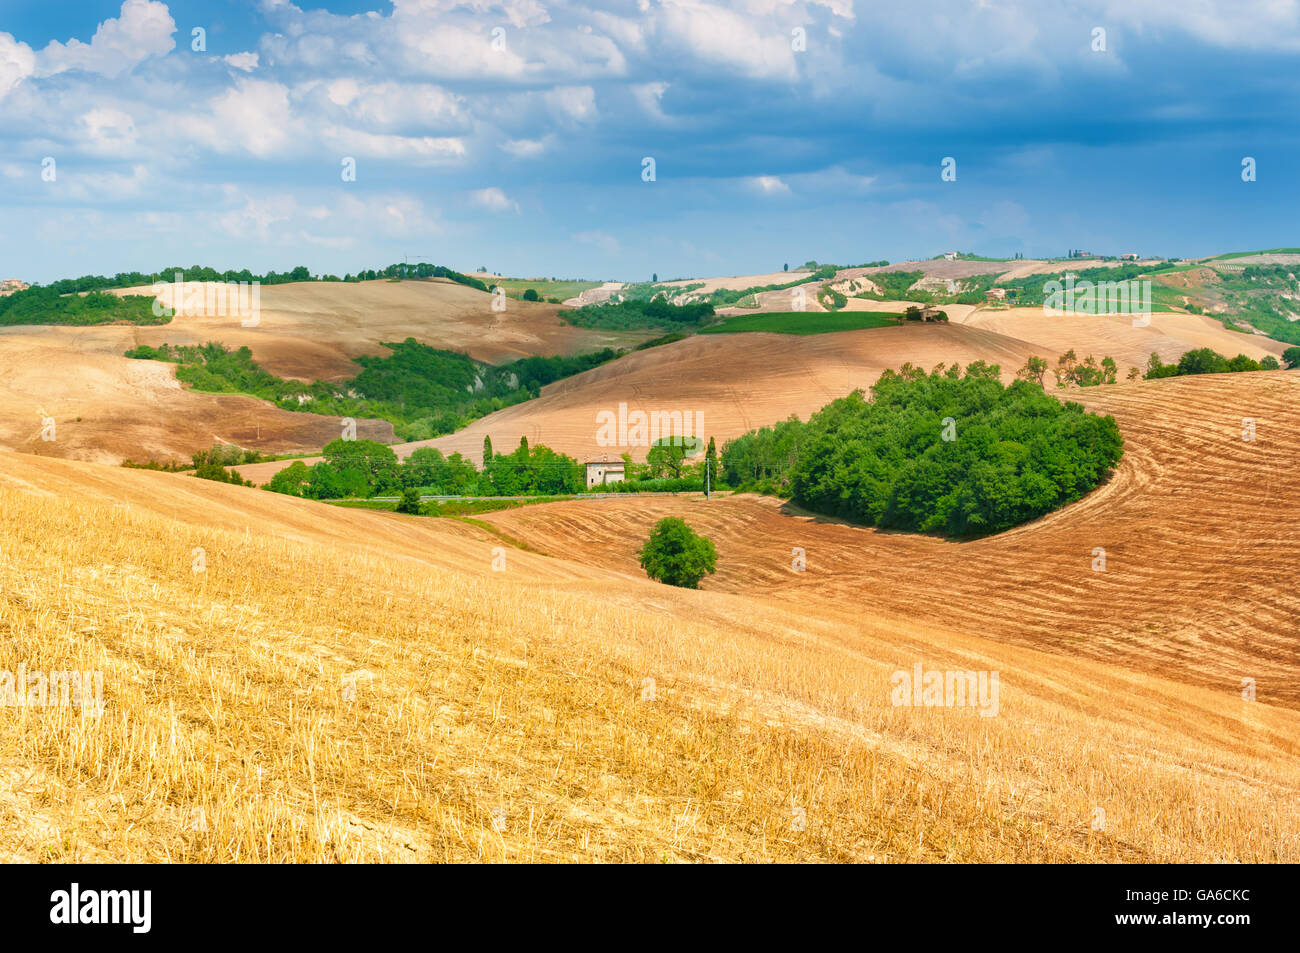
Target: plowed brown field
column 1197, row 524
column 107, row 408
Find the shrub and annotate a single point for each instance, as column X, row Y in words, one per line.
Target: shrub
column 676, row 555
column 531, row 294
column 211, row 465
column 410, row 502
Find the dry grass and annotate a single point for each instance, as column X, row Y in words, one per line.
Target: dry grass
column 500, row 715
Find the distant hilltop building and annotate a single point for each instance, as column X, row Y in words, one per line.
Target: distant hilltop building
column 9, row 285
column 1129, row 256
column 996, row 294
column 950, row 256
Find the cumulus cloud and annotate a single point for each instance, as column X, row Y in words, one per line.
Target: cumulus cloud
column 17, row 62
column 143, row 29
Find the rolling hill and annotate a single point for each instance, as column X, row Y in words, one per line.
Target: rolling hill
column 346, row 685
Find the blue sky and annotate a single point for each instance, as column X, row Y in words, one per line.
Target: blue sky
column 525, row 155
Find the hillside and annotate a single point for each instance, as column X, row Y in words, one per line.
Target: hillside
column 108, row 408
column 743, row 381
column 1196, row 525
column 344, row 685
column 313, row 329
column 736, row 381
column 1168, row 334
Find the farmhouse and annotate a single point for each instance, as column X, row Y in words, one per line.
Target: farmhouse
column 1129, row 256
column 997, row 294
column 602, row 472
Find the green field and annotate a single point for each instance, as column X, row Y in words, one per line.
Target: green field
column 547, row 289
column 1247, row 254
column 803, row 322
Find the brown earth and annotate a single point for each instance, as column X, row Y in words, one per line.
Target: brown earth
column 1169, row 334
column 132, row 409
column 1199, row 536
column 310, row 330
column 285, row 681
column 736, row 382
column 107, row 408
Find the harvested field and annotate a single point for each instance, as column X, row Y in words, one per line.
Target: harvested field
column 1169, row 334
column 1200, row 546
column 735, row 381
column 311, row 330
column 357, row 686
column 107, row 408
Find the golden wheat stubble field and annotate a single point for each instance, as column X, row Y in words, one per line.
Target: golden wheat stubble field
column 353, row 685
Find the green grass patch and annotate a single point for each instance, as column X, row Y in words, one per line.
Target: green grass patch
column 1247, row 254
column 803, row 322
column 515, row 287
column 423, row 391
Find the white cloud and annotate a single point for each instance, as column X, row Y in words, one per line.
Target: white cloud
column 143, row 29
column 418, row 149
column 394, row 105
column 576, row 103
column 770, row 185
column 245, row 61
column 715, row 34
column 253, row 116
column 100, row 187
column 526, row 148
column 110, row 131
column 17, row 62
column 520, row 13
column 650, row 96
column 494, row 200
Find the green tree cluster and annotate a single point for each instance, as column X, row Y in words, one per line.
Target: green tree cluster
column 945, row 452
column 1204, row 360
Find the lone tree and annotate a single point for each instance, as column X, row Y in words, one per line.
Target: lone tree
column 710, row 464
column 1034, row 370
column 676, row 555
column 530, row 294
column 1292, row 357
